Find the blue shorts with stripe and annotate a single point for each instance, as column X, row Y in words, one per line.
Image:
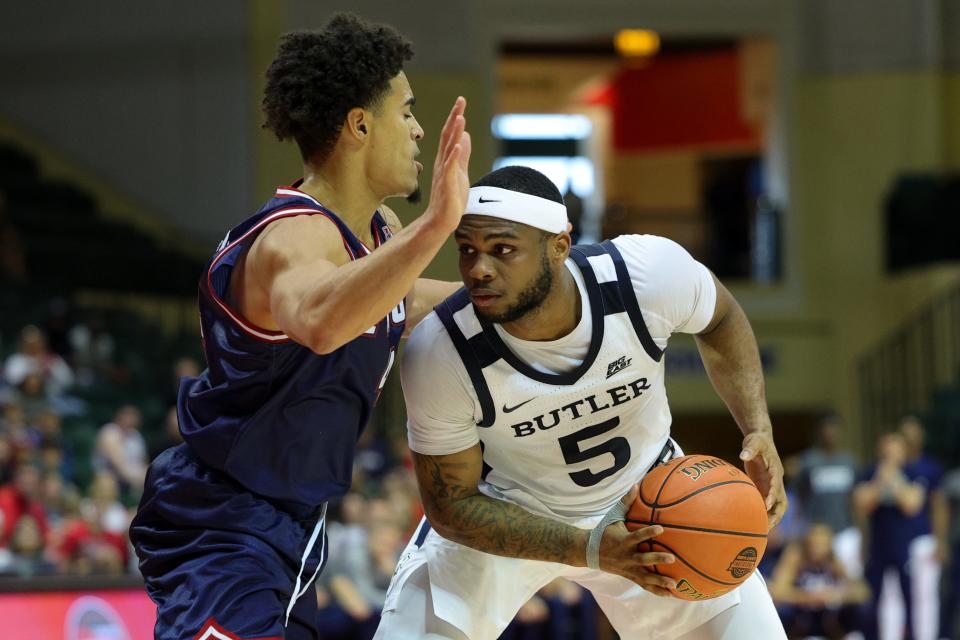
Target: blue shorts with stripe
column 221, row 562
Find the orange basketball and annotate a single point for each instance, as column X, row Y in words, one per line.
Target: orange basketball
column 714, row 521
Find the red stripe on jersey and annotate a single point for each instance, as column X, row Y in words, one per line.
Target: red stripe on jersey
column 259, row 333
column 213, row 631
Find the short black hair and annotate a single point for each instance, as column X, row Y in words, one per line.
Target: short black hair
column 319, row 76
column 523, row 180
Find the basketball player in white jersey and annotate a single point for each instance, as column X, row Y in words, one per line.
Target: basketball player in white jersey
column 536, row 402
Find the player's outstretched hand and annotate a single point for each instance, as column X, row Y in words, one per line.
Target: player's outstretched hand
column 762, row 463
column 451, row 183
column 620, row 553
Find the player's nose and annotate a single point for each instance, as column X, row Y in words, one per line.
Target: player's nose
column 482, row 268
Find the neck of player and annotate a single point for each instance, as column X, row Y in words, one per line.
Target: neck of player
column 341, row 186
column 556, row 316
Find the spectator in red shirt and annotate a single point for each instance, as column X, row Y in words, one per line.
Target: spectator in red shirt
column 96, row 543
column 19, row 498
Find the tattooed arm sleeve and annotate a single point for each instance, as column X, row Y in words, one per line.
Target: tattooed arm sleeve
column 459, row 512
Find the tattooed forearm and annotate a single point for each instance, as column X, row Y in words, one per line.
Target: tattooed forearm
column 505, row 529
column 461, row 513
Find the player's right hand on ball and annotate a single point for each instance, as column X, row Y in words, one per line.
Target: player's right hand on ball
column 620, row 553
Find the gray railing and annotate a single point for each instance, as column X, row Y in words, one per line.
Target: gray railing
column 901, row 374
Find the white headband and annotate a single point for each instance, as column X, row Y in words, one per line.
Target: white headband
column 518, row 207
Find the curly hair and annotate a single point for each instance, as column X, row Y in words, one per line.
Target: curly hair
column 319, row 76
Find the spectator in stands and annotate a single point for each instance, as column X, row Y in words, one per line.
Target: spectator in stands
column 949, row 616
column 53, row 445
column 357, row 577
column 93, row 351
column 121, row 451
column 170, row 434
column 33, row 396
column 33, row 357
column 24, row 438
column 813, row 593
column 21, row 498
column 61, row 499
column 574, row 204
column 562, row 610
column 888, row 498
column 96, row 542
column 184, row 367
column 28, row 556
column 928, row 545
column 825, row 485
column 7, row 458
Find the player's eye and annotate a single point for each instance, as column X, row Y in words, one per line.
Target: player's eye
column 503, row 249
column 465, row 250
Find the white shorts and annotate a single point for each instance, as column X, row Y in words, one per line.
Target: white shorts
column 442, row 589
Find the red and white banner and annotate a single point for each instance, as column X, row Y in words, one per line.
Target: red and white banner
column 77, row 615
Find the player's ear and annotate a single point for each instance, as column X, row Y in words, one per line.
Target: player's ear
column 560, row 246
column 357, row 124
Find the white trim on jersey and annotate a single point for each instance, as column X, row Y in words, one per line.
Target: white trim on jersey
column 213, row 633
column 296, row 193
column 603, row 267
column 297, row 592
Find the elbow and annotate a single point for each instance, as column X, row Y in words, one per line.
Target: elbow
column 316, row 327
column 322, row 343
column 441, row 522
column 323, row 334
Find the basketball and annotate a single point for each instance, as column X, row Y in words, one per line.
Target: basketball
column 714, row 521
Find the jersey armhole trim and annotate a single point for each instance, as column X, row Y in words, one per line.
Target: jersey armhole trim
column 629, row 297
column 445, row 311
column 265, row 335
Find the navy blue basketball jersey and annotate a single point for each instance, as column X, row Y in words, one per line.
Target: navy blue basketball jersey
column 278, row 418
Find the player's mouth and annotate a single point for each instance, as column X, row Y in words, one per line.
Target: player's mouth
column 418, row 166
column 484, row 297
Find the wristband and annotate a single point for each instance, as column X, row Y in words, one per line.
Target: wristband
column 617, row 513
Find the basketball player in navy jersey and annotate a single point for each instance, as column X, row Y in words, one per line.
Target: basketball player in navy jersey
column 536, row 402
column 302, row 307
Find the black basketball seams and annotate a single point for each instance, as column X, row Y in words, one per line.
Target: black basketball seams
column 656, row 505
column 698, row 572
column 653, row 513
column 703, row 529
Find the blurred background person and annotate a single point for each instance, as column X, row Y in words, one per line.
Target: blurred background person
column 33, row 358
column 949, row 615
column 887, row 499
column 825, row 483
column 121, row 451
column 21, row 498
column 814, row 594
column 169, row 436
column 928, row 544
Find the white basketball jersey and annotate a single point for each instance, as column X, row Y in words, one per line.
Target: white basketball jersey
column 568, row 445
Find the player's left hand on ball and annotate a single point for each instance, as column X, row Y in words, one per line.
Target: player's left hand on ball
column 762, row 463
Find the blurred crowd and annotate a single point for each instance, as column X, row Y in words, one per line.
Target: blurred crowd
column 865, row 551
column 868, row 551
column 63, row 510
